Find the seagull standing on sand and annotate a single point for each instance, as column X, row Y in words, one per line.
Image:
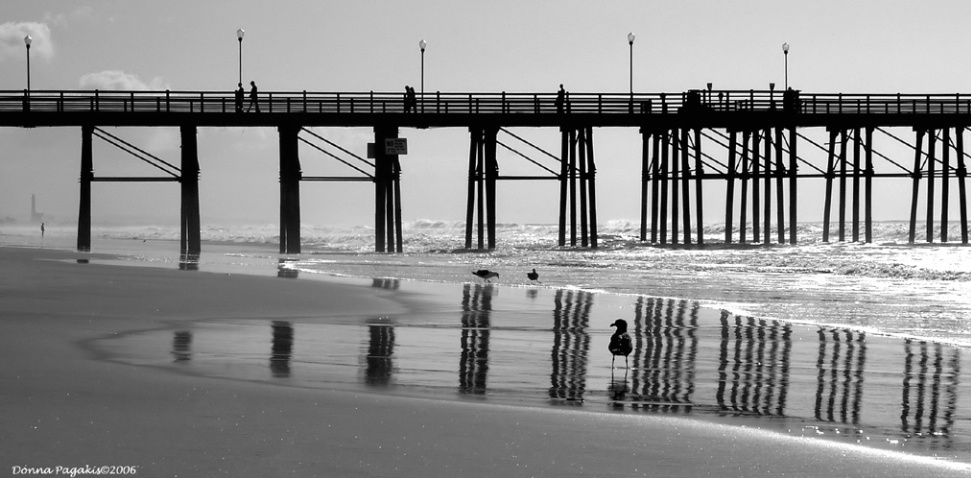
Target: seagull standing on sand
column 486, row 274
column 533, row 276
column 620, row 343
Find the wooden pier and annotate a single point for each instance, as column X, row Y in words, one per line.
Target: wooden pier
column 757, row 136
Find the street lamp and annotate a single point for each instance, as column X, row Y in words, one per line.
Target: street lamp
column 27, row 41
column 239, row 37
column 785, row 51
column 422, row 44
column 630, row 41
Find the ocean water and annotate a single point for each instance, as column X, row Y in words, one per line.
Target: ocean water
column 889, row 287
column 859, row 343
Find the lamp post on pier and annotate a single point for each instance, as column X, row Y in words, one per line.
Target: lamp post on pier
column 421, row 45
column 630, row 41
column 239, row 37
column 27, row 41
column 785, row 52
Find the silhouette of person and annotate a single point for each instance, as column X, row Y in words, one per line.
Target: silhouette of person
column 560, row 99
column 239, row 98
column 253, row 95
column 407, row 99
column 41, row 229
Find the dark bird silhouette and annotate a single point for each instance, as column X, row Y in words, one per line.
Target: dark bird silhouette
column 486, row 274
column 533, row 276
column 620, row 343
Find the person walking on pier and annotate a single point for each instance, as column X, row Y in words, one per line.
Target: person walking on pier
column 239, row 97
column 253, row 96
column 407, row 99
column 560, row 99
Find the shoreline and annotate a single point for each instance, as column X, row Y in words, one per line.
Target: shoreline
column 397, row 402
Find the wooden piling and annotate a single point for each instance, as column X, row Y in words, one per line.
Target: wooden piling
column 743, row 219
column 868, row 183
column 573, row 187
column 945, row 180
column 655, row 183
column 915, row 174
column 856, row 184
column 685, row 185
column 767, row 236
column 793, row 176
column 830, row 175
column 645, row 180
column 491, row 175
column 564, row 178
column 844, row 138
column 189, row 180
column 592, row 189
column 780, row 193
column 87, row 175
column 931, row 159
column 699, row 196
column 730, row 187
column 962, row 173
column 474, row 136
column 582, row 159
column 674, row 178
column 289, row 190
column 756, row 202
column 664, row 186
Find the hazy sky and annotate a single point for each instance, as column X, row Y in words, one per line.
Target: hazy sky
column 517, row 46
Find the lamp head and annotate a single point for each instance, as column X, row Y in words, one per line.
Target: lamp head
column 630, row 38
column 422, row 44
column 28, row 40
column 239, row 34
column 785, row 48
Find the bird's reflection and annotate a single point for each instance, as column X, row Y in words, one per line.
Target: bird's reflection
column 617, row 389
column 474, row 361
column 379, row 369
column 756, row 377
column 182, row 346
column 284, row 271
column 839, row 379
column 571, row 345
column 282, row 349
column 930, row 386
column 665, row 350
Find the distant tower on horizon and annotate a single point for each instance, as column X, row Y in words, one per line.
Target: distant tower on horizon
column 34, row 215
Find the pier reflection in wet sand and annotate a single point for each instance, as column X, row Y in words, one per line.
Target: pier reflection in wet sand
column 282, row 349
column 550, row 348
column 755, row 379
column 930, row 388
column 571, row 345
column 474, row 360
column 664, row 357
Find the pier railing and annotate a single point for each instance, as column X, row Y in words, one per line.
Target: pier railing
column 278, row 102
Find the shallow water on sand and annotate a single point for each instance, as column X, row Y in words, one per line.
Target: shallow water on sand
column 547, row 347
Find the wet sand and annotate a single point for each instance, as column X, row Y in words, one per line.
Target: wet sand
column 110, row 365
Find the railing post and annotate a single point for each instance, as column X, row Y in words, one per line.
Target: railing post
column 97, row 101
column 438, row 102
column 168, row 104
column 372, row 101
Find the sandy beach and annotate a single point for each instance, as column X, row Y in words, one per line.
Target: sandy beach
column 72, row 398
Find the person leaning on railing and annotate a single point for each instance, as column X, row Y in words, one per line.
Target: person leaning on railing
column 790, row 101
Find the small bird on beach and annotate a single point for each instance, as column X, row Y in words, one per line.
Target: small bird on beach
column 533, row 276
column 486, row 274
column 620, row 343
